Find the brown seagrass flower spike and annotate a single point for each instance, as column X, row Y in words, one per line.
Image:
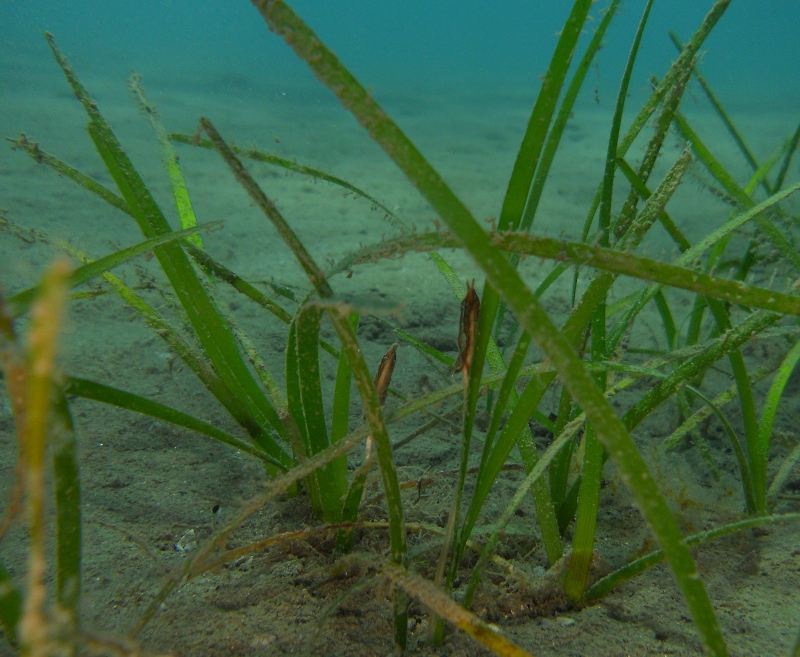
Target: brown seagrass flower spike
column 467, row 329
column 384, row 374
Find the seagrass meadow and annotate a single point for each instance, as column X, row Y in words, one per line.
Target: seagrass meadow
column 503, row 365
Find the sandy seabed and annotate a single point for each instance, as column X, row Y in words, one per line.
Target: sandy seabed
column 152, row 493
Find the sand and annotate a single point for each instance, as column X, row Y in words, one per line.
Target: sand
column 153, row 493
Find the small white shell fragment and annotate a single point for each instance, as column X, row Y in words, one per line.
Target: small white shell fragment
column 187, row 542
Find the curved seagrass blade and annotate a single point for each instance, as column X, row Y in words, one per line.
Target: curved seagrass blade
column 505, row 279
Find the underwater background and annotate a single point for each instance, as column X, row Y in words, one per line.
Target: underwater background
column 460, row 78
column 462, row 47
column 458, row 75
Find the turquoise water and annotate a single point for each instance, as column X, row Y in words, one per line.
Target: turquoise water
column 753, row 55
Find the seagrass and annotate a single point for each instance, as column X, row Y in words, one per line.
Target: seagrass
column 303, row 438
